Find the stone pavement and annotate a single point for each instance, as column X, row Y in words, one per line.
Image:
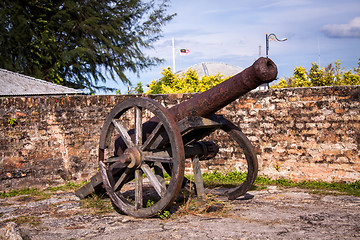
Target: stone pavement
column 266, row 214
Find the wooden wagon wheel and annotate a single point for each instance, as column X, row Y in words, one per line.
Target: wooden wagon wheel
column 248, row 150
column 135, row 180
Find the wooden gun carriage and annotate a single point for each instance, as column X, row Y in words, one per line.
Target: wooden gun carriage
column 145, row 159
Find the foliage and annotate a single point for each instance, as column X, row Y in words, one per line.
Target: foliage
column 226, row 180
column 139, row 88
column 74, row 43
column 12, row 122
column 188, row 82
column 232, row 179
column 35, row 192
column 97, row 204
column 34, row 221
column 300, row 78
column 67, row 186
column 165, row 214
column 209, row 204
column 24, row 191
column 333, row 74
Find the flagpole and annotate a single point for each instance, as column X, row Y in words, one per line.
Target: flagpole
column 173, row 51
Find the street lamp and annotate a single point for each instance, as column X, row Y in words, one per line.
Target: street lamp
column 267, row 42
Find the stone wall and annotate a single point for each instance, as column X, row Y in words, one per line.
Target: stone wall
column 303, row 133
column 299, row 134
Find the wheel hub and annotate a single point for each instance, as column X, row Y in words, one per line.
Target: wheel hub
column 134, row 156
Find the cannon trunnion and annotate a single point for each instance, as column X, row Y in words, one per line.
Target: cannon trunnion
column 143, row 145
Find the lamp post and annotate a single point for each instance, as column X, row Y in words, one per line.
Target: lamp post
column 267, row 42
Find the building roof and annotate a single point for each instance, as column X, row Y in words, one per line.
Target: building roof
column 15, row 84
column 214, row 68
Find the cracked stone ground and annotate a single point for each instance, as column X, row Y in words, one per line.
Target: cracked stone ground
column 266, row 214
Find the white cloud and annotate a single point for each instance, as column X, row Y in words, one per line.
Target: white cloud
column 351, row 29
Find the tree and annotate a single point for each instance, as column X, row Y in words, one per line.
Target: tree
column 349, row 77
column 300, row 78
column 281, row 84
column 139, row 88
column 188, row 82
column 333, row 74
column 321, row 77
column 79, row 43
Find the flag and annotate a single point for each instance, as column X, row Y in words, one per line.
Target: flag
column 184, row 51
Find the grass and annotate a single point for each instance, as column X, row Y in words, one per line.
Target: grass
column 97, row 203
column 208, row 205
column 165, row 214
column 232, row 179
column 320, row 186
column 24, row 191
column 27, row 194
column 217, row 179
column 67, row 187
column 35, row 221
column 39, row 194
column 211, row 180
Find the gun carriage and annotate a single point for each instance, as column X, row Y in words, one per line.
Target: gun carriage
column 145, row 160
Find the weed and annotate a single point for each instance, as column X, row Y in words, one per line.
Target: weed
column 277, row 167
column 98, row 204
column 149, row 203
column 12, row 122
column 347, row 188
column 198, row 206
column 165, row 214
column 68, row 186
column 24, row 191
column 216, row 179
column 233, row 179
column 41, row 194
column 35, row 221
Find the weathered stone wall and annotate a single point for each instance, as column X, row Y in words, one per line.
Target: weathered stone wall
column 299, row 134
column 302, row 133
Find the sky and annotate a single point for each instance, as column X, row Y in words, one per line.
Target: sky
column 231, row 31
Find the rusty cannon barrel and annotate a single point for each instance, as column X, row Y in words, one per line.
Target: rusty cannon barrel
column 207, row 103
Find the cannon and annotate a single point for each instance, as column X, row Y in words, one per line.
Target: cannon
column 143, row 145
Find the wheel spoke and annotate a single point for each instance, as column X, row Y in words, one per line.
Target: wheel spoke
column 158, row 159
column 122, row 180
column 123, row 132
column 138, row 126
column 153, row 136
column 121, row 161
column 138, row 189
column 159, row 188
column 163, row 156
column 159, row 172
